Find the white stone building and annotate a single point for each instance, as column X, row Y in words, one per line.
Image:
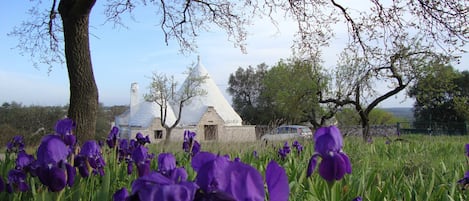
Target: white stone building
column 210, row 116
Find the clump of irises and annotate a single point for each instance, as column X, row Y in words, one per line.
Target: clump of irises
column 286, row 149
column 217, row 179
column 54, row 158
column 328, row 144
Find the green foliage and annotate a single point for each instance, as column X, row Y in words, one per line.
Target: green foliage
column 285, row 93
column 377, row 116
column 246, row 87
column 293, row 87
column 30, row 121
column 441, row 96
column 36, row 121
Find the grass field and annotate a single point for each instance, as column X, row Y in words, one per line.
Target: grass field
column 419, row 167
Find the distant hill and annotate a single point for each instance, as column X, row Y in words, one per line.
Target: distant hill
column 401, row 112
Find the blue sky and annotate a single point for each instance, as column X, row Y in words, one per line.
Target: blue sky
column 121, row 56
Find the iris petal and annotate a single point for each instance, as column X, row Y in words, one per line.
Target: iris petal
column 251, row 187
column 139, row 154
column 2, row 185
column 311, row 165
column 64, row 126
column 332, row 167
column 90, row 149
column 328, row 139
column 348, row 165
column 201, row 158
column 213, row 175
column 120, row 195
column 52, row 150
column 320, row 132
column 277, row 182
column 143, row 168
column 178, row 175
column 71, row 172
column 166, row 162
column 173, row 192
column 57, row 179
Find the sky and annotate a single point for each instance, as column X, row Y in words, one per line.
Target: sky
column 123, row 55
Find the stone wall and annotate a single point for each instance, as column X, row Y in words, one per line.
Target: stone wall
column 225, row 133
column 375, row 130
column 239, row 134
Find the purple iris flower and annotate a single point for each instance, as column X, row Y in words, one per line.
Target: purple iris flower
column 168, row 183
column 142, row 140
column 112, row 137
column 2, row 185
column 281, row 152
column 64, row 128
column 51, row 165
column 328, row 145
column 357, row 199
column 124, row 150
column 90, row 158
column 156, row 186
column 254, row 153
column 190, row 145
column 284, row 151
column 120, row 195
column 142, row 160
column 16, row 144
column 24, row 161
column 464, row 181
column 17, row 181
column 286, row 148
column 217, row 178
column 298, row 146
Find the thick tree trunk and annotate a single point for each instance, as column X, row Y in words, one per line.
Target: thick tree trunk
column 83, row 90
column 366, row 131
column 168, row 135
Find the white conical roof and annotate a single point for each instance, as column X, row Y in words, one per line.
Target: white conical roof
column 145, row 112
column 142, row 114
column 197, row 106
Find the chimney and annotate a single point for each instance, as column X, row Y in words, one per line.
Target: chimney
column 134, row 98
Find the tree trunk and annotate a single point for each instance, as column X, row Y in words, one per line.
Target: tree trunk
column 168, row 135
column 366, row 130
column 83, row 90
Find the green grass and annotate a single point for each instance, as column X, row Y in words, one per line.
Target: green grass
column 418, row 168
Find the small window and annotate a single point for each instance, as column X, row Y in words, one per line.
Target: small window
column 211, row 132
column 158, row 134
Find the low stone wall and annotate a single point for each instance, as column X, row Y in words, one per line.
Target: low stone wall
column 375, row 130
column 239, row 134
column 228, row 134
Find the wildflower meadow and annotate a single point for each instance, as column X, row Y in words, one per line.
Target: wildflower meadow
column 326, row 167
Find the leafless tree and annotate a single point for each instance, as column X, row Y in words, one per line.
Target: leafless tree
column 163, row 92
